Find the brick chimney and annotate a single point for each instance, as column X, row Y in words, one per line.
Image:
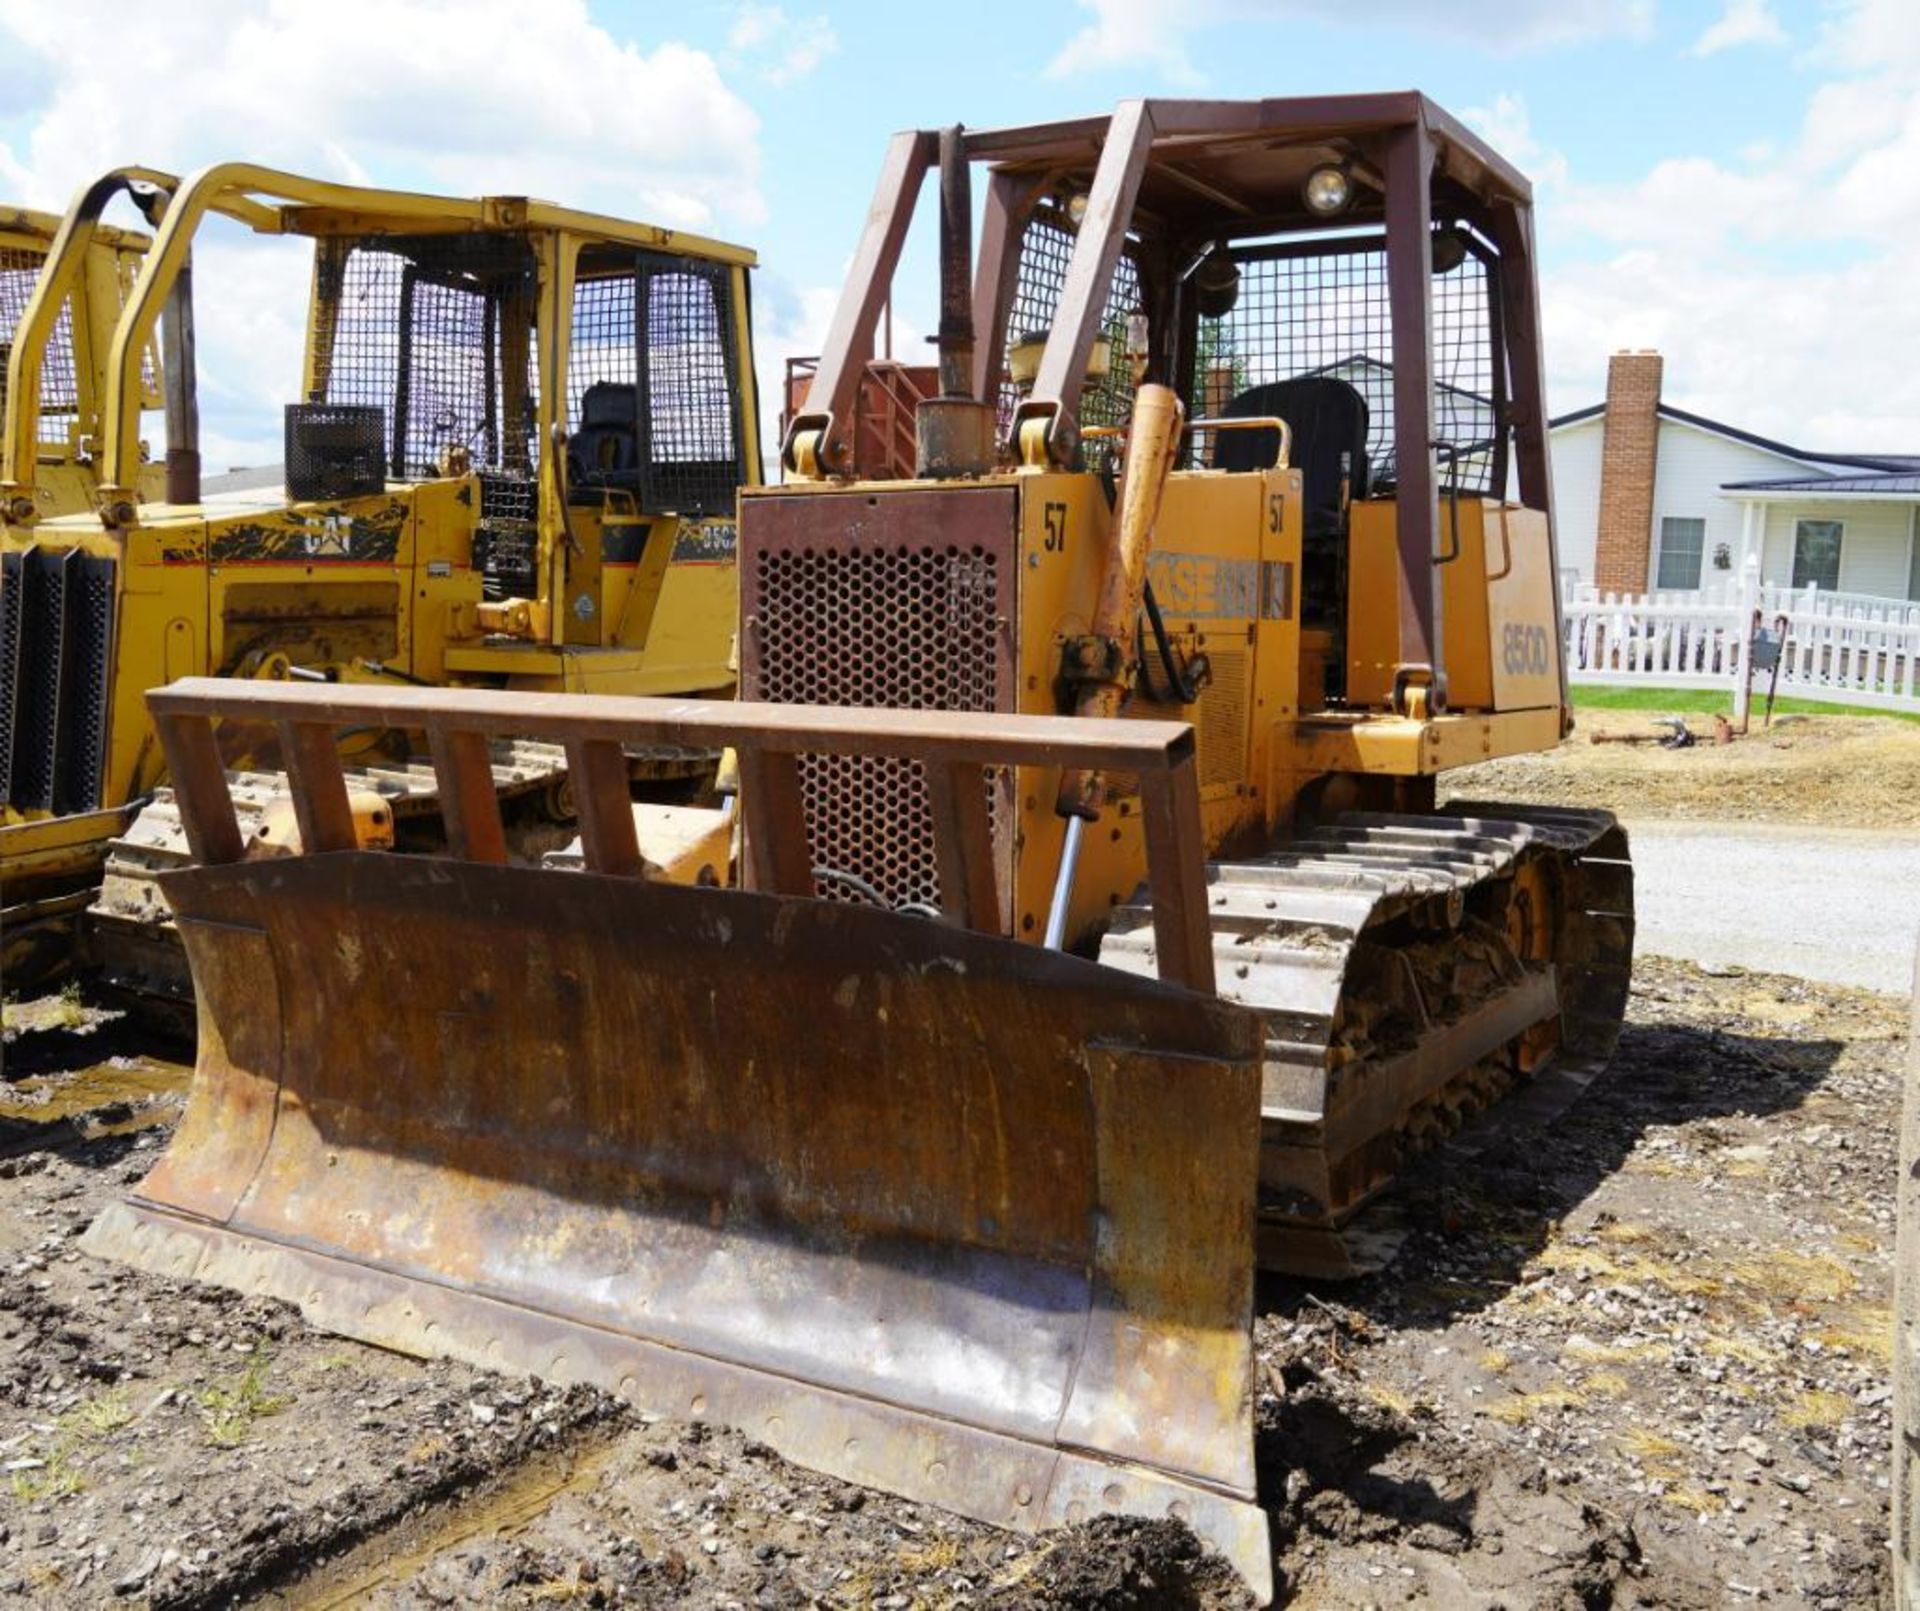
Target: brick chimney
column 1628, row 453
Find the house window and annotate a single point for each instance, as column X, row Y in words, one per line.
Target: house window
column 1913, row 559
column 1816, row 554
column 1683, row 539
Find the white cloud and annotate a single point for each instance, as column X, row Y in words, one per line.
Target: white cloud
column 1867, row 34
column 1778, row 286
column 785, row 48
column 1744, row 22
column 1126, row 33
column 1506, row 127
column 505, row 97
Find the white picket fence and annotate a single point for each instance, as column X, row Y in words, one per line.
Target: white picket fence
column 1845, row 648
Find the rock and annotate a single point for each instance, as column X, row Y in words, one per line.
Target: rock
column 130, row 1584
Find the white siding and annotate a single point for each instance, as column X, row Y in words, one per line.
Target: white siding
column 1873, row 543
column 1692, row 467
column 1575, row 453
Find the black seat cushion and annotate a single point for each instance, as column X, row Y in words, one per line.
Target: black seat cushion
column 1328, row 418
column 605, row 450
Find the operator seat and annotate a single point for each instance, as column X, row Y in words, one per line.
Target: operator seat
column 1328, row 418
column 605, row 452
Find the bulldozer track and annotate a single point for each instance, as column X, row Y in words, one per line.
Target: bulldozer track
column 1412, row 971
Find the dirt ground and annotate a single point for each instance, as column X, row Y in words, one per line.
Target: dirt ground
column 1828, row 771
column 1639, row 1358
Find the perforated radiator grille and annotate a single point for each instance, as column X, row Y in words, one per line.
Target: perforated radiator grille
column 851, row 601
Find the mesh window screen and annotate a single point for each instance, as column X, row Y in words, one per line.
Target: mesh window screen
column 603, row 346
column 437, row 331
column 59, row 384
column 1323, row 310
column 690, row 428
column 1046, row 247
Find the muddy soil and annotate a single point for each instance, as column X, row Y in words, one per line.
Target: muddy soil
column 1638, row 1357
column 1828, row 771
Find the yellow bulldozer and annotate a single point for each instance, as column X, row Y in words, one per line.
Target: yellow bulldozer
column 1095, row 937
column 512, row 465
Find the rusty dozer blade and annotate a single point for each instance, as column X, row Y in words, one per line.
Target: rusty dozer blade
column 916, row 1205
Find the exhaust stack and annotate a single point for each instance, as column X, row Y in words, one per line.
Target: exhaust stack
column 953, row 433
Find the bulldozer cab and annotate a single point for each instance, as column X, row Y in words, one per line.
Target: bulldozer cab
column 1355, row 272
column 448, row 340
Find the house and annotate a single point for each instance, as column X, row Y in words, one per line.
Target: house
column 1649, row 497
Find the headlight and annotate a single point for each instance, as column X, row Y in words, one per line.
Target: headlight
column 1328, row 190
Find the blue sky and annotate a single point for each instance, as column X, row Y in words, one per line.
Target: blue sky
column 1736, row 182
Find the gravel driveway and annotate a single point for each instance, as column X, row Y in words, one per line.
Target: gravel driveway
column 1840, row 905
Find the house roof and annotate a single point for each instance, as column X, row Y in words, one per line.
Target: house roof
column 1901, row 484
column 1366, row 360
column 1859, row 461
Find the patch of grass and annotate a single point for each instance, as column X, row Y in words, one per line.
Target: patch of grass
column 1742, row 1350
column 1585, row 1351
column 1786, row 1274
column 1644, row 1445
column 96, row 1417
column 1865, row 1331
column 231, row 1405
column 87, row 1422
column 1495, row 1363
column 1523, row 1407
column 1697, row 1500
column 942, row 1555
column 1664, row 1461
column 1708, row 701
column 1682, row 1283
column 1607, row 1383
column 1817, row 1407
column 68, row 1010
column 1390, row 1398
column 55, row 1480
column 1635, row 1268
column 570, row 1587
column 71, row 1012
column 1563, row 1258
column 1622, row 1232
